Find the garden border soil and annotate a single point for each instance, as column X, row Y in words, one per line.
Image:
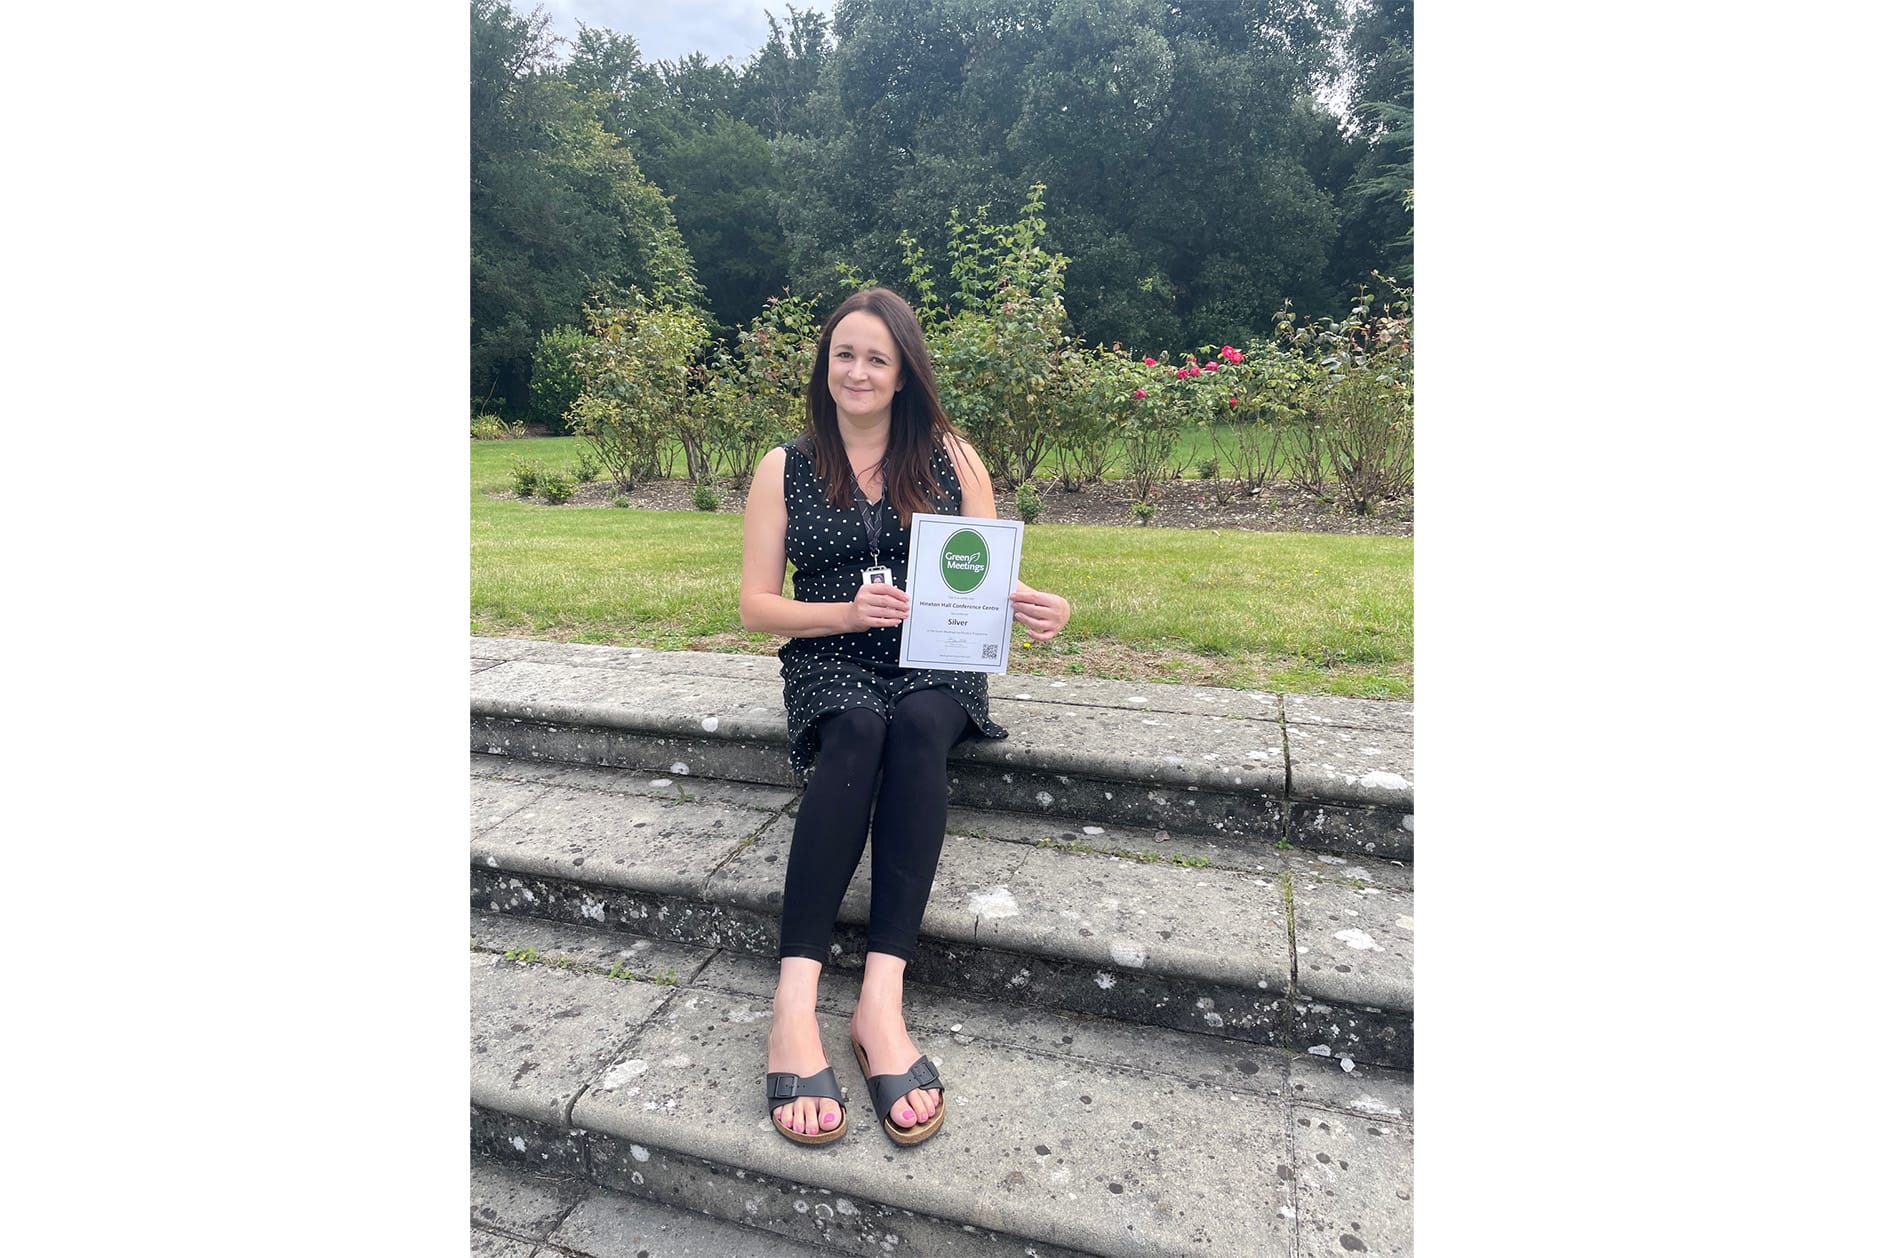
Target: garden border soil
column 1190, row 504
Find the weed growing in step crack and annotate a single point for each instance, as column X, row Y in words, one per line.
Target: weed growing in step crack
column 526, row 955
column 1147, row 857
column 1288, row 918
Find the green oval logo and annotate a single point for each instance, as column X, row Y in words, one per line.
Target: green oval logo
column 964, row 560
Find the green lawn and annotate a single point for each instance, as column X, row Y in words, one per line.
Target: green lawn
column 1295, row 612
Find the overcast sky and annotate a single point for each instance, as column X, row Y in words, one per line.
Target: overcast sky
column 667, row 30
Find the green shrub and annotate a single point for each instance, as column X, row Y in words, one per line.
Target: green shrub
column 1027, row 502
column 636, row 373
column 620, row 500
column 755, row 396
column 555, row 487
column 488, row 428
column 587, row 469
column 705, row 497
column 1207, row 469
column 526, row 476
column 1369, row 428
column 1357, row 398
column 994, row 357
column 556, row 376
column 1143, row 510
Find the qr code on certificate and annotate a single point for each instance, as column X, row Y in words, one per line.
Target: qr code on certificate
column 990, row 650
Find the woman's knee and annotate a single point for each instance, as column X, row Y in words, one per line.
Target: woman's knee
column 928, row 720
column 852, row 734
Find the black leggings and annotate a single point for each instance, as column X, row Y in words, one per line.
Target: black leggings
column 911, row 751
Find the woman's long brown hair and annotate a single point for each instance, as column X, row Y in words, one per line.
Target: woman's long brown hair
column 917, row 420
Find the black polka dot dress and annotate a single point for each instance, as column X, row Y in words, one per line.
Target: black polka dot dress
column 828, row 548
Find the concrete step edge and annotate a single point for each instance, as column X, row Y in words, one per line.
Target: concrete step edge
column 517, row 1212
column 1048, row 786
column 736, row 697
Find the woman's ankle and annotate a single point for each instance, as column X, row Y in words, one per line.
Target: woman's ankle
column 797, row 989
column 794, row 1007
column 880, row 1014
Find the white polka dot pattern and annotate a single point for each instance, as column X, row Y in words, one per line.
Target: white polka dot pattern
column 828, row 550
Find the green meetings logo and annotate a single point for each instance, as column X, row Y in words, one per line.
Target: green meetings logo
column 964, row 560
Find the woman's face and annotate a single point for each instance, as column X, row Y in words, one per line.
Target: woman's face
column 864, row 368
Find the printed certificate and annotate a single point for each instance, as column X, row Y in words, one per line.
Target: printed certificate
column 961, row 571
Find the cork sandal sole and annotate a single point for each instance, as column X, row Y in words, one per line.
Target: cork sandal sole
column 884, row 1089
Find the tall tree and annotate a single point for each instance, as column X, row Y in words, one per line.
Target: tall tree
column 559, row 209
column 776, row 83
column 725, row 184
column 1376, row 202
column 676, row 117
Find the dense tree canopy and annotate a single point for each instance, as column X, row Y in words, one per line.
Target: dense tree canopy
column 1195, row 178
column 1376, row 199
column 559, row 209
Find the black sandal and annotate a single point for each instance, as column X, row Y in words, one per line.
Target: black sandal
column 884, row 1089
column 782, row 1087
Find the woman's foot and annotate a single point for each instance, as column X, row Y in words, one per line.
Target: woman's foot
column 878, row 1027
column 793, row 1046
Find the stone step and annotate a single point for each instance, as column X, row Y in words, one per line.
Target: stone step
column 519, row 1213
column 1330, row 774
column 638, row 1064
column 1291, row 949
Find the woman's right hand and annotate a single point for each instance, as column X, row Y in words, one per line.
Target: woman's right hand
column 877, row 605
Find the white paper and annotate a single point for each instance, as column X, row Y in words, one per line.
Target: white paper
column 961, row 571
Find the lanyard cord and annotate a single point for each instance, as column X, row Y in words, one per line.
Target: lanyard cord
column 872, row 516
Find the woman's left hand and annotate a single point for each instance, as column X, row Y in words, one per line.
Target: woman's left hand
column 1040, row 613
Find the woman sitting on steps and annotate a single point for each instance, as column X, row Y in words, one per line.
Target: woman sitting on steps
column 835, row 501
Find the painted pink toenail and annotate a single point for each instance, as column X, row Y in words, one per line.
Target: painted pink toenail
column 905, row 1115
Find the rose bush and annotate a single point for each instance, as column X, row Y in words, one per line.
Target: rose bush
column 1357, row 395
